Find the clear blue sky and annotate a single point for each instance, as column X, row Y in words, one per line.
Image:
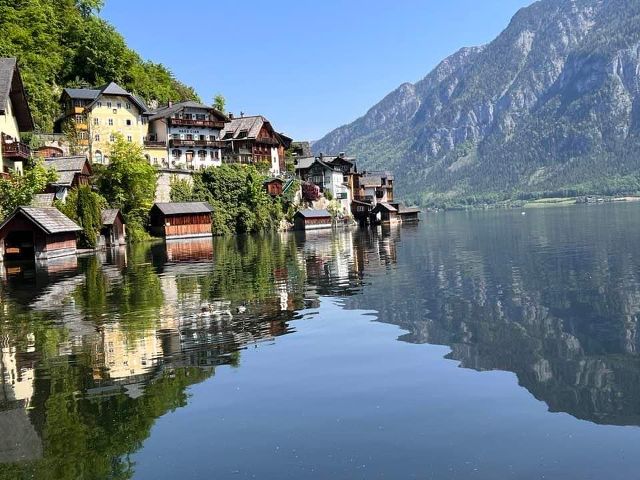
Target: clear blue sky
column 307, row 66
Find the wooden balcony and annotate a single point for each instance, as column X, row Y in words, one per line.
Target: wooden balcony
column 196, row 123
column 196, row 143
column 267, row 141
column 364, row 198
column 15, row 150
column 155, row 144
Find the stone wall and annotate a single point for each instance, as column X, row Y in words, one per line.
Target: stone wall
column 163, row 187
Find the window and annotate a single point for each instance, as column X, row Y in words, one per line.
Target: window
column 99, row 104
column 128, row 122
column 108, row 104
column 78, row 103
column 112, row 138
column 96, row 137
column 176, row 153
column 215, row 154
column 200, row 116
column 361, row 208
column 128, row 105
column 98, row 156
column 110, row 122
column 115, row 110
column 119, row 105
column 176, row 136
column 202, row 154
column 79, row 119
column 82, row 135
column 96, row 121
column 129, row 138
column 187, row 116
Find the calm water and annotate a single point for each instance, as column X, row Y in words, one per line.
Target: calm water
column 487, row 345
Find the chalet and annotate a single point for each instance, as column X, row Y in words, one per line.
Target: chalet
column 113, row 230
column 384, row 213
column 72, row 172
column 15, row 117
column 330, row 175
column 253, row 140
column 181, row 220
column 312, row 219
column 37, row 232
column 185, row 135
column 274, row 186
column 374, row 187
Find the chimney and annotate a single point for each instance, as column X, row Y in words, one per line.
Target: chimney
column 321, row 155
column 169, row 103
column 241, row 114
column 341, row 154
column 230, row 116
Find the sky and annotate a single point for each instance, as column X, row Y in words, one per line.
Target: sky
column 309, row 67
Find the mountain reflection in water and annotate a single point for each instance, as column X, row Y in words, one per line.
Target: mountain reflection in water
column 95, row 349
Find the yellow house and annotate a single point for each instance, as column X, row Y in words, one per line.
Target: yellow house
column 100, row 114
column 15, row 117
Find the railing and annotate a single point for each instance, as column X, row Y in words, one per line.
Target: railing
column 196, row 123
column 267, row 140
column 155, row 144
column 196, row 143
column 15, row 150
column 364, row 198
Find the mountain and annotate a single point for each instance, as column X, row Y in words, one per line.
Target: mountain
column 550, row 107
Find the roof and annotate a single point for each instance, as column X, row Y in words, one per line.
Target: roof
column 109, row 89
column 66, row 164
column 302, row 163
column 43, row 200
column 11, row 88
column 313, row 213
column 168, row 111
column 82, row 93
column 371, row 181
column 402, row 210
column 271, row 180
column 48, row 219
column 109, row 216
column 250, row 125
column 65, row 179
column 386, row 206
column 183, row 208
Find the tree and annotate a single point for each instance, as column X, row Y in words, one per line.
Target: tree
column 84, row 206
column 19, row 190
column 89, row 7
column 219, row 102
column 129, row 184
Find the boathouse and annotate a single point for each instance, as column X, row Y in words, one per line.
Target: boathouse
column 409, row 214
column 385, row 213
column 37, row 232
column 274, row 186
column 113, row 230
column 181, row 220
column 312, row 219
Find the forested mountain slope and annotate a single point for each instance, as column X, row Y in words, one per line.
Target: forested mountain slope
column 62, row 43
column 551, row 105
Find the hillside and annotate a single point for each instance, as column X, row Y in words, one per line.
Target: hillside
column 62, row 43
column 550, row 107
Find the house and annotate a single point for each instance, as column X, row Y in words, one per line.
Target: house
column 312, row 219
column 72, row 172
column 37, row 232
column 301, row 149
column 113, row 230
column 274, row 186
column 185, row 135
column 408, row 214
column 15, row 117
column 384, row 213
column 253, row 140
column 181, row 220
column 330, row 176
column 99, row 114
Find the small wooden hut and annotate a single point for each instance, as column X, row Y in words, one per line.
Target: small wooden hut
column 181, row 220
column 274, row 186
column 312, row 219
column 113, row 230
column 385, row 213
column 37, row 232
column 409, row 214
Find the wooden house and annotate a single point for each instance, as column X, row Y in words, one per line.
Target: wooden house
column 72, row 172
column 384, row 213
column 274, row 186
column 408, row 214
column 113, row 230
column 312, row 220
column 181, row 220
column 37, row 232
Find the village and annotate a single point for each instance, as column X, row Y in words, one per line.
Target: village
column 177, row 140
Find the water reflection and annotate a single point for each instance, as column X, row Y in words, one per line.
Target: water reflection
column 95, row 349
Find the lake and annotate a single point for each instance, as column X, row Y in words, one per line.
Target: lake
column 482, row 345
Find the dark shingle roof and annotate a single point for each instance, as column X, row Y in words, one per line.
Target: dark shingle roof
column 66, row 164
column 183, row 208
column 109, row 89
column 250, row 125
column 11, row 87
column 48, row 219
column 82, row 93
column 166, row 111
column 314, row 213
column 386, row 206
column 402, row 209
column 109, row 216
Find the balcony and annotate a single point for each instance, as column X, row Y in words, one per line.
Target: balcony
column 15, row 150
column 267, row 141
column 155, row 144
column 195, row 123
column 196, row 143
column 364, row 198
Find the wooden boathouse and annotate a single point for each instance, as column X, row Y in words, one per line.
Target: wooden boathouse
column 113, row 232
column 312, row 219
column 384, row 213
column 37, row 232
column 181, row 220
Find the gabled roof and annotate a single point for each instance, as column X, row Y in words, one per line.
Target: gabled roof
column 109, row 89
column 75, row 163
column 11, row 88
column 49, row 219
column 109, row 216
column 168, row 111
column 250, row 125
column 385, row 206
column 313, row 213
column 82, row 93
column 183, row 208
